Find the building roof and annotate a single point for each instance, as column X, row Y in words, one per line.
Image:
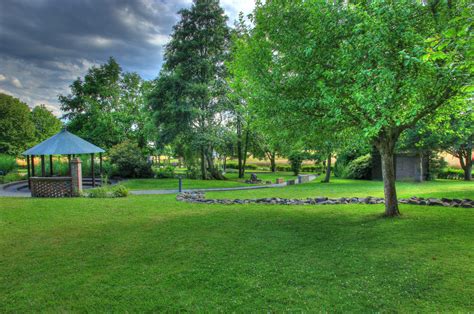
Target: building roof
column 63, row 143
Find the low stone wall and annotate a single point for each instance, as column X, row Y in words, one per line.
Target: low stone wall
column 51, row 186
column 198, row 197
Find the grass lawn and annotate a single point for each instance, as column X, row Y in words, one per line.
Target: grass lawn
column 351, row 188
column 151, row 253
column 233, row 181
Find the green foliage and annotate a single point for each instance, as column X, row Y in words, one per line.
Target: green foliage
column 436, row 165
column 283, row 168
column 119, row 191
column 130, row 161
column 189, row 97
column 359, row 168
column 165, row 172
column 357, row 68
column 108, row 107
column 11, row 177
column 107, row 192
column 100, row 192
column 232, row 165
column 46, row 124
column 451, row 173
column 7, row 164
column 17, row 131
column 296, row 158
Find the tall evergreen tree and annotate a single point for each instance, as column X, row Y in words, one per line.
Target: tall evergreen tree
column 190, row 97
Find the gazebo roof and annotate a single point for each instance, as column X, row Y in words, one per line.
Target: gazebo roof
column 63, row 143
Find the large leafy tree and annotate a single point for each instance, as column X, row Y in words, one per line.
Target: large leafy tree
column 357, row 66
column 46, row 123
column 107, row 106
column 17, row 131
column 189, row 98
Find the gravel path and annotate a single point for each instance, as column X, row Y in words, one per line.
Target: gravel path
column 7, row 190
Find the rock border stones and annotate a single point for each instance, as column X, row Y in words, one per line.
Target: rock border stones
column 199, row 197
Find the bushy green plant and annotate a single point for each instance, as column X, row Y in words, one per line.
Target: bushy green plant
column 120, row 191
column 193, row 172
column 283, row 168
column 233, row 165
column 359, row 168
column 296, row 159
column 310, row 168
column 11, row 177
column 107, row 192
column 100, row 192
column 436, row 166
column 165, row 172
column 130, row 161
column 451, row 173
column 7, row 164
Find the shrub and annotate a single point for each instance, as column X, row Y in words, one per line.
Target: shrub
column 233, row 165
column 359, row 168
column 11, row 177
column 166, row 172
column 310, row 168
column 296, row 159
column 193, row 172
column 97, row 193
column 436, row 165
column 451, row 173
column 283, row 168
column 7, row 164
column 107, row 192
column 120, row 191
column 129, row 160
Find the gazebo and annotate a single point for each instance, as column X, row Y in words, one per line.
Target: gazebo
column 63, row 143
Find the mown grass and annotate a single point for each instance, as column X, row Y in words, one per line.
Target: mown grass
column 232, row 181
column 151, row 253
column 351, row 188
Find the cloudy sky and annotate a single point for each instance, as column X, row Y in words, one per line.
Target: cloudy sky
column 46, row 44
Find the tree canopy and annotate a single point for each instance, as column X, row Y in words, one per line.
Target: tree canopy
column 108, row 106
column 189, row 98
column 349, row 66
column 17, row 131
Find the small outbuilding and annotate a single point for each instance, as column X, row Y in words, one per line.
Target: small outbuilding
column 409, row 166
column 49, row 184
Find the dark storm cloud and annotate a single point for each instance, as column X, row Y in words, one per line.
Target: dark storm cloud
column 46, row 44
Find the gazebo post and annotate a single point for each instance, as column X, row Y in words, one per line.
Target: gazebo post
column 51, row 165
column 28, row 166
column 92, row 170
column 100, row 164
column 32, row 165
column 43, row 169
column 69, row 164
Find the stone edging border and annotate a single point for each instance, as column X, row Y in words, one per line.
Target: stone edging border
column 199, row 197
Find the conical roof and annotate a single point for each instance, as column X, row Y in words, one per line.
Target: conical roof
column 63, row 143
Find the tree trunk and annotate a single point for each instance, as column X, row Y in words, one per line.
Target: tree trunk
column 386, row 148
column 245, row 150
column 468, row 164
column 239, row 146
column 213, row 171
column 327, row 178
column 468, row 171
column 203, row 164
column 273, row 161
